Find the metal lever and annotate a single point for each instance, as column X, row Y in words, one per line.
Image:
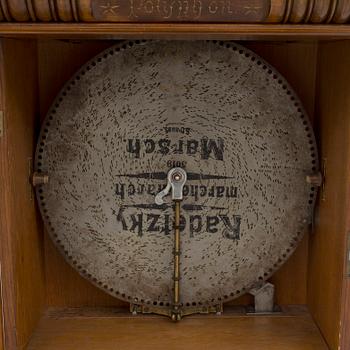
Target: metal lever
column 176, row 181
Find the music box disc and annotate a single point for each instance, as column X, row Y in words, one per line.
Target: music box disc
column 141, row 108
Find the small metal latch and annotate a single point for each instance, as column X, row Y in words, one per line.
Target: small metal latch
column 176, row 181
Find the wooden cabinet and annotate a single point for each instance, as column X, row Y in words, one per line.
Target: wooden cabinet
column 47, row 305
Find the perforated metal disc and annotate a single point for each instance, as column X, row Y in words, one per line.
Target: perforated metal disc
column 136, row 111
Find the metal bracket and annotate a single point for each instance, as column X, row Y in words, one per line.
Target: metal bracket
column 324, row 177
column 136, row 309
column 315, row 179
column 319, row 179
column 1, row 124
column 176, row 181
column 263, row 299
column 39, row 179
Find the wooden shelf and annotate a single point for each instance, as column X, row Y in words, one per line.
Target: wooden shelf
column 174, row 30
column 81, row 329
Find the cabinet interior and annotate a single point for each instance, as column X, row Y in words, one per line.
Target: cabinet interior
column 39, row 286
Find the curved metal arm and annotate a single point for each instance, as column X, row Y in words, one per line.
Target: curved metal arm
column 176, row 181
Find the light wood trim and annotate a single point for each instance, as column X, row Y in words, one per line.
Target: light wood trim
column 345, row 306
column 21, row 250
column 178, row 30
column 1, row 315
column 345, row 329
column 6, row 246
column 2, row 330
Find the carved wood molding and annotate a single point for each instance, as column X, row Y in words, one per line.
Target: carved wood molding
column 190, row 11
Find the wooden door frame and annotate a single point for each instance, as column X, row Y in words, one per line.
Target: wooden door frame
column 345, row 328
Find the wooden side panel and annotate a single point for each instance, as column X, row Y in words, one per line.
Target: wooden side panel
column 20, row 229
column 58, row 60
column 345, row 324
column 328, row 244
column 2, row 330
column 1, row 318
column 297, row 62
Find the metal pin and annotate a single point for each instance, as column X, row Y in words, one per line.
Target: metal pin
column 39, row 179
column 315, row 179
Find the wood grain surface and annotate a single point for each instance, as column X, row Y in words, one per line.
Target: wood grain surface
column 329, row 241
column 73, row 332
column 324, row 272
column 345, row 316
column 1, row 322
column 2, row 281
column 239, row 11
column 21, row 234
column 175, row 31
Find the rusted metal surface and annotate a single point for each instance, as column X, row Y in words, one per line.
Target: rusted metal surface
column 141, row 108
